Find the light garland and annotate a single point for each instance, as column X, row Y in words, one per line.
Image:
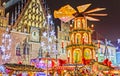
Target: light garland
column 50, row 38
column 6, row 45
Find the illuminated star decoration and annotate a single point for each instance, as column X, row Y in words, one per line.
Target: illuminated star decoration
column 44, row 34
column 52, row 33
column 118, row 40
column 49, row 39
column 117, row 48
column 6, row 57
column 49, row 47
column 42, row 44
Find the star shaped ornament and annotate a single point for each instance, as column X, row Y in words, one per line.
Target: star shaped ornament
column 49, row 40
column 42, row 44
column 52, row 33
column 44, row 34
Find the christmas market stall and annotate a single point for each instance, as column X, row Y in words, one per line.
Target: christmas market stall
column 21, row 68
column 96, row 68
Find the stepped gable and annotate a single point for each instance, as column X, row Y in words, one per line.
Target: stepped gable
column 26, row 13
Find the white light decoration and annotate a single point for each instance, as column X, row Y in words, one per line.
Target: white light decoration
column 44, row 34
column 52, row 33
column 118, row 41
column 49, row 39
column 42, row 44
column 2, row 69
column 49, row 16
column 50, row 44
column 6, row 57
column 6, row 45
column 49, row 47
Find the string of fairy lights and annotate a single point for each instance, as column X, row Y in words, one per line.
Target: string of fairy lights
column 6, row 45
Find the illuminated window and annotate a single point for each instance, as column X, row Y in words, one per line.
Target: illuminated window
column 78, row 38
column 78, row 23
column 85, row 36
column 83, row 23
column 87, row 54
column 76, row 55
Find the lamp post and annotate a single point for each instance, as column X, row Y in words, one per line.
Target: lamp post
column 47, row 58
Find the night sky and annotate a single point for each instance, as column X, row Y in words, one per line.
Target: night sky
column 108, row 27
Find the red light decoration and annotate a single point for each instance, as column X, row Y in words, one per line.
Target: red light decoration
column 83, row 40
column 107, row 62
column 62, row 44
column 98, row 43
column 20, row 62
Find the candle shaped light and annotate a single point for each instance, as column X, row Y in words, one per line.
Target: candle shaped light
column 62, row 44
column 92, row 26
column 83, row 40
column 98, row 43
column 71, row 27
column 68, row 57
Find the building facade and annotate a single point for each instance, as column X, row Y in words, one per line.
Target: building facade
column 63, row 39
column 27, row 19
column 108, row 51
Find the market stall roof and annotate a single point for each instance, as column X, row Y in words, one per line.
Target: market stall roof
column 22, row 67
column 103, row 67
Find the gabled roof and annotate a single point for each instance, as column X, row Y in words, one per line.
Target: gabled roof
column 31, row 8
column 22, row 13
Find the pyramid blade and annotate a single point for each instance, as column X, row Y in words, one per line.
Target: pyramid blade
column 82, row 8
column 58, row 14
column 67, row 18
column 67, row 9
column 96, row 10
column 94, row 14
column 91, row 18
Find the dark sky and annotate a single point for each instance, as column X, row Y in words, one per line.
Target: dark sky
column 109, row 26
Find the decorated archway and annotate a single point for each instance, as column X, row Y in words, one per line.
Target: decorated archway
column 77, row 55
column 78, row 38
column 87, row 54
column 85, row 36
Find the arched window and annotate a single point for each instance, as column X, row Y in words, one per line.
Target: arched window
column 83, row 23
column 78, row 23
column 78, row 38
column 87, row 54
column 18, row 53
column 77, row 55
column 85, row 36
